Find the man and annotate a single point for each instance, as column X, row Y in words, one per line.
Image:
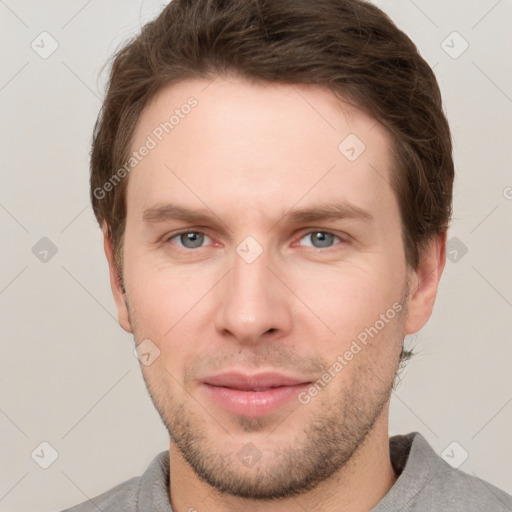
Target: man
column 274, row 183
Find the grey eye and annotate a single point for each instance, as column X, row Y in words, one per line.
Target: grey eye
column 320, row 239
column 190, row 239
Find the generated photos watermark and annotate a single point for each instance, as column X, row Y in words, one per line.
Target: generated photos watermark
column 358, row 343
column 151, row 142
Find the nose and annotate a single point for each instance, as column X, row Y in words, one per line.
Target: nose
column 253, row 302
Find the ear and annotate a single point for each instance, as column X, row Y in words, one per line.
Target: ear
column 116, row 283
column 424, row 282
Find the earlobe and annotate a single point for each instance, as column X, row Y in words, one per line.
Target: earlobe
column 424, row 282
column 116, row 283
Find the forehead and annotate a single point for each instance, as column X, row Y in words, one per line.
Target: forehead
column 231, row 143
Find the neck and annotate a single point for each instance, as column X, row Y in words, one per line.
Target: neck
column 359, row 485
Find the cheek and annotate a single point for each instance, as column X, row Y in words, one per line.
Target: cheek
column 152, row 300
column 361, row 306
column 352, row 297
column 165, row 304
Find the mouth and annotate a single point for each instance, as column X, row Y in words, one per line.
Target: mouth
column 252, row 395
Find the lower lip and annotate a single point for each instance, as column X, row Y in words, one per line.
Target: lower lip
column 253, row 403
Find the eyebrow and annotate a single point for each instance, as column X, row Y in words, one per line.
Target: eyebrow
column 329, row 211
column 343, row 210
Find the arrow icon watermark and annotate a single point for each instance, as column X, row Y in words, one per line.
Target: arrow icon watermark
column 146, row 352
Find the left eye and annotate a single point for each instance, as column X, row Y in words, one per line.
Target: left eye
column 320, row 239
column 190, row 239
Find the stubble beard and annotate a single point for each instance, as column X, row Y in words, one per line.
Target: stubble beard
column 327, row 442
column 330, row 438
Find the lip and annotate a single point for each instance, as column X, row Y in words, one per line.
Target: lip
column 252, row 395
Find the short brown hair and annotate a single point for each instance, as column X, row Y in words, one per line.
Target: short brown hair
column 348, row 46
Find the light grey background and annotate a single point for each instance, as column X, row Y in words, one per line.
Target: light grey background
column 68, row 374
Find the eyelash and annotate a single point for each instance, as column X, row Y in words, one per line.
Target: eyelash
column 185, row 249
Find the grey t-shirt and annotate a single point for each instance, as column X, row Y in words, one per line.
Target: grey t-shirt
column 426, row 483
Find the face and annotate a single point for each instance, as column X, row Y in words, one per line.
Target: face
column 264, row 266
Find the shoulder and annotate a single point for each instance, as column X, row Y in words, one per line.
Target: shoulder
column 124, row 494
column 433, row 484
column 462, row 491
column 146, row 492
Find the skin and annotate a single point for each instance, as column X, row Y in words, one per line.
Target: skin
column 248, row 154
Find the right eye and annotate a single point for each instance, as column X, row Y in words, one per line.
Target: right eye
column 189, row 239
